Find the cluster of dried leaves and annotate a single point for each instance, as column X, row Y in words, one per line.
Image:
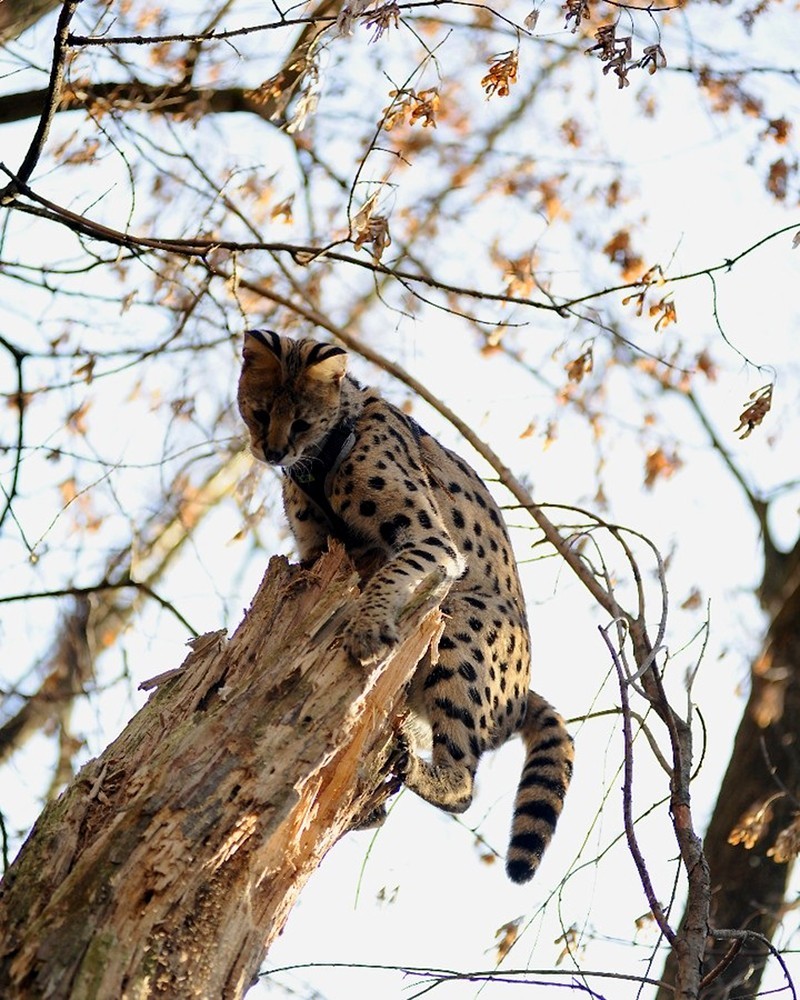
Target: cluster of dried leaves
column 502, row 74
column 619, row 249
column 754, row 825
column 616, row 51
column 382, row 19
column 372, row 227
column 726, row 93
column 409, row 107
column 659, row 464
column 759, row 405
column 663, row 309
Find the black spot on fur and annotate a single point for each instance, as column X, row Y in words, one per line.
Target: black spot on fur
column 467, row 671
column 437, row 675
column 475, row 603
column 389, row 529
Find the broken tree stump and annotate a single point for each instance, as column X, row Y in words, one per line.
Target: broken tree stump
column 173, row 859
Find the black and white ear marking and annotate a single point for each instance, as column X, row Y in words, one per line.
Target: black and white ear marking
column 262, row 347
column 326, row 363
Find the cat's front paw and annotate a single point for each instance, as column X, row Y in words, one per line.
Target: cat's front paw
column 369, row 820
column 368, row 642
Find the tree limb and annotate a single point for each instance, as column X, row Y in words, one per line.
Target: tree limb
column 52, row 99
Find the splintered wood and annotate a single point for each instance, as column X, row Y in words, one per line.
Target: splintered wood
column 173, row 860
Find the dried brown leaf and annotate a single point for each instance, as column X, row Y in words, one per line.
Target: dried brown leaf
column 755, row 411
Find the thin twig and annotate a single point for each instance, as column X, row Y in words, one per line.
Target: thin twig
column 627, row 797
column 746, row 935
column 19, row 400
column 103, row 585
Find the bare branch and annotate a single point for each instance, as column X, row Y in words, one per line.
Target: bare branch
column 627, row 797
column 52, row 99
column 172, row 99
column 307, row 254
column 18, row 401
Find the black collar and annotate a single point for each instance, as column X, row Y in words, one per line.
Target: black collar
column 312, row 475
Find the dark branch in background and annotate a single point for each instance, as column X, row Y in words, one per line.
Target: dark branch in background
column 214, row 35
column 196, row 47
column 736, row 71
column 54, row 89
column 4, row 837
column 318, row 16
column 98, row 588
column 72, row 664
column 19, row 401
column 519, row 977
column 177, row 98
column 750, row 886
column 172, row 99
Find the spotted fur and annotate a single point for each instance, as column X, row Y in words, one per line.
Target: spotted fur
column 357, row 468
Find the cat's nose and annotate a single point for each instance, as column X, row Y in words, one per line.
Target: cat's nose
column 274, row 455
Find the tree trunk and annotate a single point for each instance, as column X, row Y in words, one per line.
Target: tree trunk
column 757, row 801
column 18, row 15
column 173, row 860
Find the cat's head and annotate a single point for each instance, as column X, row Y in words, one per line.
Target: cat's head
column 289, row 394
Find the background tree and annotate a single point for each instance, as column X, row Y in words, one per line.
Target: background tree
column 517, row 206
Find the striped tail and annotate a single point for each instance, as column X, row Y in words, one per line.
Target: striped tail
column 542, row 787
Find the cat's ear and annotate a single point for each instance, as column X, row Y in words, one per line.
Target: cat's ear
column 262, row 349
column 326, row 363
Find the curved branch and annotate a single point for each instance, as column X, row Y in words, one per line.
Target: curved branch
column 227, row 33
column 124, row 584
column 51, row 103
column 757, row 505
column 303, row 254
column 18, row 397
column 627, row 796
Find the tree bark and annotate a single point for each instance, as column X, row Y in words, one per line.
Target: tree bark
column 759, row 795
column 173, row 860
column 18, row 15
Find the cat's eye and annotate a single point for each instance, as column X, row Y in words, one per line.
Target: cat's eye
column 262, row 416
column 299, row 426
